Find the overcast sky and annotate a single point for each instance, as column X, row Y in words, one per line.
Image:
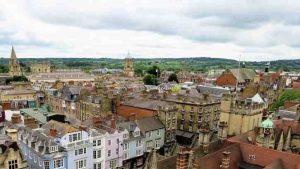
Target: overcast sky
column 253, row 29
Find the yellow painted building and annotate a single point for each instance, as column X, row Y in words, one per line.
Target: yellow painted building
column 41, row 68
column 239, row 116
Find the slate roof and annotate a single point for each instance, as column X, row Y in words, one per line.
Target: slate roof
column 149, row 124
column 215, row 90
column 243, row 74
column 62, row 128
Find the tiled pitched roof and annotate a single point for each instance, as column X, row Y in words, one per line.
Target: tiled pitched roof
column 149, row 124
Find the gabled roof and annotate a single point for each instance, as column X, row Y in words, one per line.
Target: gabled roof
column 149, row 124
column 243, row 74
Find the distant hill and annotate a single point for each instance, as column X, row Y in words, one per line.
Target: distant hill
column 174, row 64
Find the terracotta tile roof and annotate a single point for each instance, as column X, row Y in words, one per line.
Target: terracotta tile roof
column 241, row 153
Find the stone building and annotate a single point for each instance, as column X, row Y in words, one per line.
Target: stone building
column 17, row 99
column 128, row 66
column 280, row 135
column 239, row 116
column 246, row 156
column 10, row 154
column 66, row 101
column 133, row 144
column 195, row 111
column 41, row 68
column 14, row 65
column 236, row 77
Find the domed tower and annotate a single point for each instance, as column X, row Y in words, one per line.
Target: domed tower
column 266, row 136
column 14, row 66
column 128, row 66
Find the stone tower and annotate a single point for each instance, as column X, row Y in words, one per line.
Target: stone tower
column 266, row 136
column 14, row 66
column 128, row 66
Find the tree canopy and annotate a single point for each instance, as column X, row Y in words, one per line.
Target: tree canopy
column 173, row 78
column 150, row 79
column 287, row 95
column 154, row 70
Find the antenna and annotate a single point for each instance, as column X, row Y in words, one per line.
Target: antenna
column 237, row 79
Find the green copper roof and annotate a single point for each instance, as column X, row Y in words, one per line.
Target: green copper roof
column 268, row 123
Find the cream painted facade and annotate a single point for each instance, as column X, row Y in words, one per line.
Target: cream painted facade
column 17, row 95
column 12, row 158
column 41, row 68
column 239, row 116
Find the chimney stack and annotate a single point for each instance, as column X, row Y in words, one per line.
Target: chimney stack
column 16, row 118
column 113, row 123
column 188, row 91
column 53, row 132
column 225, row 160
column 96, row 121
column 30, row 122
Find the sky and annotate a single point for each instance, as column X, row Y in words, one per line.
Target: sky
column 251, row 30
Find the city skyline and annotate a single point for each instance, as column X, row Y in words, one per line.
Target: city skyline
column 247, row 30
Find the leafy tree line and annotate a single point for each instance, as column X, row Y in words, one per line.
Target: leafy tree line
column 288, row 95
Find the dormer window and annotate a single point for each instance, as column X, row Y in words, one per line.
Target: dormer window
column 53, row 149
column 136, row 133
column 126, row 136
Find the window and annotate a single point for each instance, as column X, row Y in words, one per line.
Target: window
column 109, row 142
column 149, row 134
column 125, row 136
column 158, row 133
column 80, row 164
column 126, row 146
column 99, row 143
column 58, row 163
column 138, row 152
column 94, row 143
column 109, row 153
column 125, row 156
column 138, row 143
column 137, row 133
column 157, row 143
column 40, row 162
column 46, row 165
column 96, row 154
column 97, row 166
column 80, row 151
column 117, row 151
column 70, row 138
column 13, row 164
column 112, row 164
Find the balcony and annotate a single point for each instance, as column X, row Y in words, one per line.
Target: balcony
column 79, row 144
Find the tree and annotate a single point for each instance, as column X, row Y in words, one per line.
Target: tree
column 173, row 77
column 150, row 80
column 17, row 79
column 287, row 95
column 154, row 70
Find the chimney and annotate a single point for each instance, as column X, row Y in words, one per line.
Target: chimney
column 96, row 121
column 205, row 96
column 53, row 132
column 83, row 127
column 30, row 122
column 188, row 91
column 165, row 95
column 113, row 123
column 132, row 117
column 225, row 160
column 16, row 118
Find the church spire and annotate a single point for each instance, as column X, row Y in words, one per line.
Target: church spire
column 13, row 53
column 14, row 66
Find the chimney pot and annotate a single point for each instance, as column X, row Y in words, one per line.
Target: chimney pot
column 53, row 132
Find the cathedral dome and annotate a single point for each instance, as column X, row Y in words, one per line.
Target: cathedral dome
column 268, row 123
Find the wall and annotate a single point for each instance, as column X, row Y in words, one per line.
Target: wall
column 126, row 111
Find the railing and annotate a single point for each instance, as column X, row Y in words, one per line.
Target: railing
column 78, row 144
